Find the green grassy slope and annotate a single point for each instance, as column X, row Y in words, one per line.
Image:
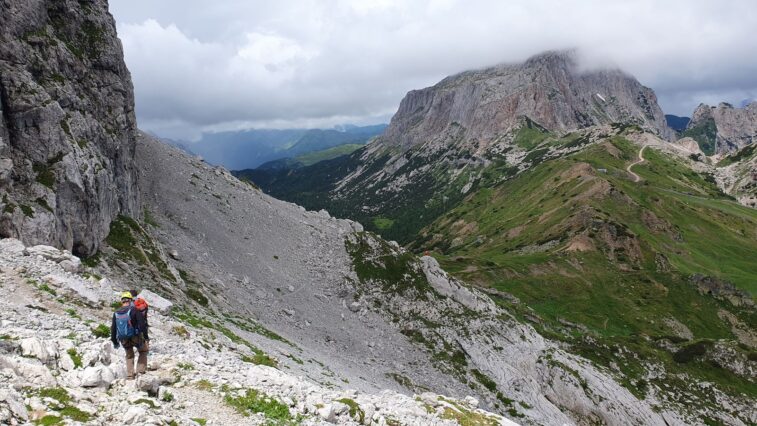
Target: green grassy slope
column 605, row 262
column 327, row 154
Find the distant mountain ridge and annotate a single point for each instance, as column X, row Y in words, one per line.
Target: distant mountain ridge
column 442, row 138
column 250, row 148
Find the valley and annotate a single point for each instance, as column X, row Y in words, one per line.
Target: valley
column 527, row 243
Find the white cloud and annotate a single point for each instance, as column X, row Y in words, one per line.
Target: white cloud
column 201, row 65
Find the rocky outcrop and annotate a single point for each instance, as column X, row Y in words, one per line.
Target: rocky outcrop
column 737, row 175
column 724, row 128
column 549, row 89
column 67, row 130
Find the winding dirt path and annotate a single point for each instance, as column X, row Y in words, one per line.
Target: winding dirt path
column 636, row 177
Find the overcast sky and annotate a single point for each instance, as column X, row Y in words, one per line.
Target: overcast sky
column 231, row 64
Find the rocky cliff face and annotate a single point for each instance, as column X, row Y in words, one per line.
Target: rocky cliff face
column 68, row 130
column 723, row 128
column 548, row 89
column 737, row 175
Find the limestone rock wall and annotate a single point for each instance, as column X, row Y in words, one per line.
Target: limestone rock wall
column 68, row 129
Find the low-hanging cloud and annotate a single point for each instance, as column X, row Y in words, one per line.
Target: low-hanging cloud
column 204, row 66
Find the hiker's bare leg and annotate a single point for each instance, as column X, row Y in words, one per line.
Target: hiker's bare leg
column 142, row 360
column 129, row 362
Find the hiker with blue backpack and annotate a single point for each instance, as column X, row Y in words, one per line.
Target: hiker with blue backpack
column 129, row 329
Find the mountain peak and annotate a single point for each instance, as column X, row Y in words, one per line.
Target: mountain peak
column 723, row 128
column 484, row 104
column 563, row 58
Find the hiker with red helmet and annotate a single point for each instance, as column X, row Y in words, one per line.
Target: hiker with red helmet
column 129, row 329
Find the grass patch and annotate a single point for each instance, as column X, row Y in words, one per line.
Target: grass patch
column 58, row 394
column 260, row 358
column 102, row 331
column 75, row 414
column 382, row 223
column 150, row 219
column 466, row 417
column 46, row 288
column 311, row 158
column 66, row 128
column 195, row 321
column 181, row 331
column 91, row 261
column 148, row 402
column 356, row 412
column 530, row 135
column 43, row 203
column 75, row 357
column 482, row 378
column 254, row 327
column 204, row 384
column 197, row 296
column 49, row 420
column 28, row 211
column 200, row 421
column 254, row 401
column 133, row 243
column 167, row 397
column 45, row 172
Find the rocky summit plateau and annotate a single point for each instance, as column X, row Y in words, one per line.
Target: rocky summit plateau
column 562, row 256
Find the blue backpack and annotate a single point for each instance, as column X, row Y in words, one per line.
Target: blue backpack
column 124, row 328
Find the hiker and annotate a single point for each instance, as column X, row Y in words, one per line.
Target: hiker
column 129, row 329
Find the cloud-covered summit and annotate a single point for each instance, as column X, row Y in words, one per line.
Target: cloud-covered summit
column 204, row 66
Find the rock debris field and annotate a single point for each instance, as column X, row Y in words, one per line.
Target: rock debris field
column 57, row 365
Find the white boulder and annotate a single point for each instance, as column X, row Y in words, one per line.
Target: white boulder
column 95, row 377
column 156, row 302
column 27, row 373
column 51, row 253
column 35, row 348
column 135, row 415
column 11, row 245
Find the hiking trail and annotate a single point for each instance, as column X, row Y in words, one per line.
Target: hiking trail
column 636, row 178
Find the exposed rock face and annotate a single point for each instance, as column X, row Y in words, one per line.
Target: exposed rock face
column 739, row 178
column 548, row 89
column 723, row 127
column 68, row 130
